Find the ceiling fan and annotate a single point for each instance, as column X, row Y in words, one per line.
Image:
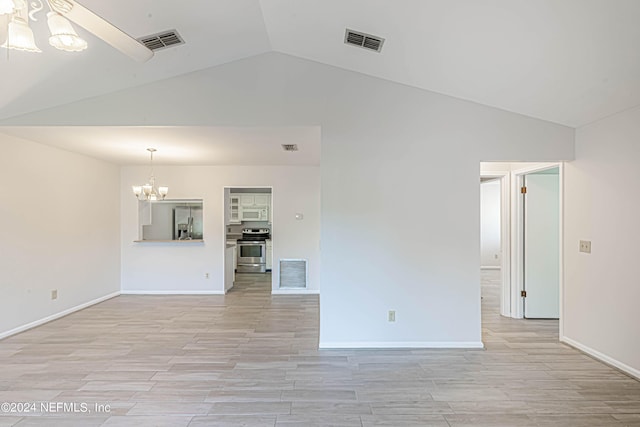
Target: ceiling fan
column 15, row 32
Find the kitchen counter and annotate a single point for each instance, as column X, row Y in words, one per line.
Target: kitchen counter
column 170, row 241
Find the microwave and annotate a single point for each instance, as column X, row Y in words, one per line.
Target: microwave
column 254, row 214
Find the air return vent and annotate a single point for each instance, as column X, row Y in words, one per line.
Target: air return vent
column 363, row 40
column 290, row 147
column 293, row 273
column 162, row 40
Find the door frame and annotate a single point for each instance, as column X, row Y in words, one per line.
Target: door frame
column 505, row 238
column 517, row 230
column 275, row 275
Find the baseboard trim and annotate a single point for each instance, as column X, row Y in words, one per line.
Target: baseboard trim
column 295, row 292
column 407, row 344
column 602, row 357
column 55, row 316
column 172, row 292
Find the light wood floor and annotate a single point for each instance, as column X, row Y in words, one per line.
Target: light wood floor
column 251, row 359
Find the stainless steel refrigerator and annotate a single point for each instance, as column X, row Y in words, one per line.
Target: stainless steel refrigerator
column 187, row 222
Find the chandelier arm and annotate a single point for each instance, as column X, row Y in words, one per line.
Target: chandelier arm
column 36, row 6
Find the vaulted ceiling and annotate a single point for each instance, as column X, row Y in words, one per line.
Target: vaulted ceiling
column 567, row 61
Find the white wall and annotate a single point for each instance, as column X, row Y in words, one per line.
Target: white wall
column 490, row 224
column 387, row 149
column 602, row 290
column 390, row 152
column 60, row 230
column 181, row 267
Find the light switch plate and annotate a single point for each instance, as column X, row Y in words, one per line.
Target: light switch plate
column 585, row 246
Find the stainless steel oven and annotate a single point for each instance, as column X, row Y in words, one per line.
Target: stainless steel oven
column 252, row 250
column 252, row 256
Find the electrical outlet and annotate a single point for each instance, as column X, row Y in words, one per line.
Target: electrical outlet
column 54, row 294
column 585, row 246
column 392, row 315
column 206, row 275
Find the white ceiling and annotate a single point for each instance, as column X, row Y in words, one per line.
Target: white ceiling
column 191, row 145
column 216, row 32
column 566, row 61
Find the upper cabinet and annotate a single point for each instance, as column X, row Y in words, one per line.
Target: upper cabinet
column 262, row 199
column 234, row 209
column 250, row 207
column 255, row 200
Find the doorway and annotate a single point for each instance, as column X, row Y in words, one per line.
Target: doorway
column 495, row 244
column 248, row 227
column 513, row 277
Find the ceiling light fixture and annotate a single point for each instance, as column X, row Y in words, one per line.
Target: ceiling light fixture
column 148, row 191
column 16, row 33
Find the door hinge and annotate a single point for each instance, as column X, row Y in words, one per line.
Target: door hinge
column 523, row 190
column 523, row 294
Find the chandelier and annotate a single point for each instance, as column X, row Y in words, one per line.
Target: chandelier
column 148, row 191
column 15, row 32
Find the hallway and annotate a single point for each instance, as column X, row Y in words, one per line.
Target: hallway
column 249, row 358
column 500, row 331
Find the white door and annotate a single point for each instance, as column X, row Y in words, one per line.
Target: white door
column 541, row 245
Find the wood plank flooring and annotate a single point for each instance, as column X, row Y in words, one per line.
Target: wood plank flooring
column 251, row 359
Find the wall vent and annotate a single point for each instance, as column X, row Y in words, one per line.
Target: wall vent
column 290, row 147
column 293, row 273
column 363, row 40
column 162, row 40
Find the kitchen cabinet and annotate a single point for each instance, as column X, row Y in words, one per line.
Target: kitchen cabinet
column 255, row 200
column 234, row 209
column 250, row 207
column 235, row 256
column 262, row 199
column 229, row 275
column 269, row 255
column 247, row 200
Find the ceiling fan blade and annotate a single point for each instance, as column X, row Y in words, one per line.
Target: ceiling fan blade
column 101, row 28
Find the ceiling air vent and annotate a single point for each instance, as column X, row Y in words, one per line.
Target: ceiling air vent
column 162, row 40
column 363, row 40
column 290, row 147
